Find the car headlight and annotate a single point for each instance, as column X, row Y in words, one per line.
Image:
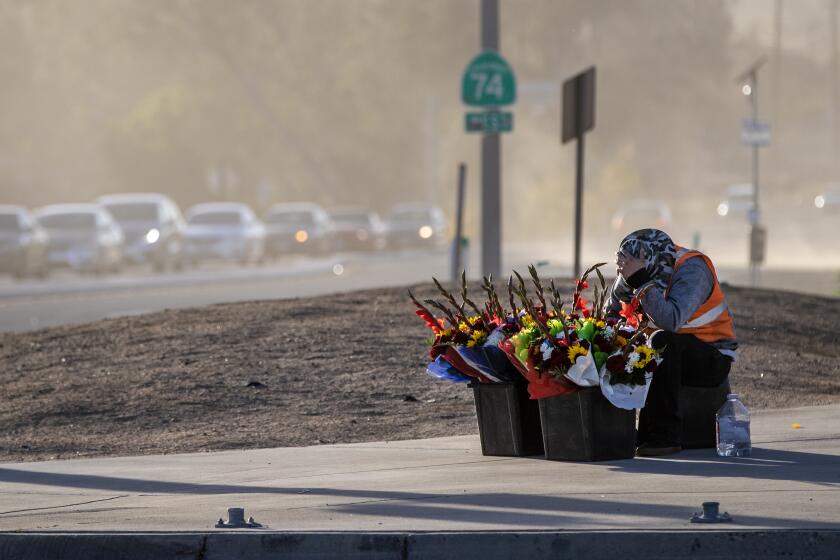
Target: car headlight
column 152, row 236
column 819, row 201
column 425, row 232
column 723, row 209
column 301, row 236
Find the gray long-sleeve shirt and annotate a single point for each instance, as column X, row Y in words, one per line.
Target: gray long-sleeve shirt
column 692, row 285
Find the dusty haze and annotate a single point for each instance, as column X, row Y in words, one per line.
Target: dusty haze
column 357, row 101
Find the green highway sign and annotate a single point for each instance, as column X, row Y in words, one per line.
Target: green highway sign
column 489, row 122
column 488, row 81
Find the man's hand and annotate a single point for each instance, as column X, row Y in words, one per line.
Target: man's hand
column 628, row 265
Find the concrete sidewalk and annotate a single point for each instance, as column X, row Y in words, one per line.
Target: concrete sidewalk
column 792, row 481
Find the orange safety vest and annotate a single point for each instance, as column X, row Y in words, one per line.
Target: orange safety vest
column 712, row 320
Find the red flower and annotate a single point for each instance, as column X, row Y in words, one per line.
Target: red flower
column 581, row 303
column 582, row 285
column 630, row 312
column 430, row 321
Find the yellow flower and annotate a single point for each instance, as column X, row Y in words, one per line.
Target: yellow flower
column 528, row 321
column 575, row 351
column 645, row 356
column 476, row 338
column 448, row 332
column 621, row 341
column 600, row 324
column 463, row 327
column 474, row 319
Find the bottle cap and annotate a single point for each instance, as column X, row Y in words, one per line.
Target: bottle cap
column 732, row 396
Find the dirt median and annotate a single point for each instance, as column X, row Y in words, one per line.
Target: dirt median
column 331, row 369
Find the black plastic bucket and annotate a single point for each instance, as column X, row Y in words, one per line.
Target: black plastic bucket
column 508, row 421
column 584, row 426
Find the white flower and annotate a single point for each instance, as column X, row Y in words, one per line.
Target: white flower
column 547, row 350
column 609, row 333
column 632, row 359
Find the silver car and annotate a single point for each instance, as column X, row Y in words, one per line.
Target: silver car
column 83, row 237
column 415, row 224
column 152, row 225
column 23, row 243
column 357, row 229
column 297, row 228
column 223, row 231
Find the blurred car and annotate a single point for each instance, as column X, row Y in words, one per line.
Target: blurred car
column 223, row 230
column 738, row 202
column 23, row 243
column 83, row 237
column 415, row 224
column 152, row 226
column 641, row 214
column 356, row 229
column 295, row 228
column 828, row 200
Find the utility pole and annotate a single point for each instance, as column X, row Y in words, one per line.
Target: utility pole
column 491, row 153
column 778, row 16
column 835, row 84
column 749, row 79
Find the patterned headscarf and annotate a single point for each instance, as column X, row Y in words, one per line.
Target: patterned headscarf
column 660, row 255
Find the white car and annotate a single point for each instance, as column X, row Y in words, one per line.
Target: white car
column 828, row 199
column 223, row 231
column 738, row 202
column 297, row 228
column 415, row 224
column 23, row 243
column 152, row 226
column 83, row 237
column 641, row 214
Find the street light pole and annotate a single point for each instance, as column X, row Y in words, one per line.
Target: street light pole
column 750, row 89
column 491, row 152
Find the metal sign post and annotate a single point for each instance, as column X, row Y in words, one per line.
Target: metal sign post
column 489, row 83
column 578, row 118
column 457, row 243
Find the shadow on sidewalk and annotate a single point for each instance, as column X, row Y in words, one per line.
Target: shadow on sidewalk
column 764, row 464
column 490, row 508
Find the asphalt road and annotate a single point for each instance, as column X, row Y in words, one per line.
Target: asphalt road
column 70, row 299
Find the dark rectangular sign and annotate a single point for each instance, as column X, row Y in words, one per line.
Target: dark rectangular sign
column 489, row 122
column 578, row 104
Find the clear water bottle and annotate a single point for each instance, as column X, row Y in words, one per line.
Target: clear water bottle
column 733, row 428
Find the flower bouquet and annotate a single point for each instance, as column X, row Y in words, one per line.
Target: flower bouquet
column 560, row 353
column 628, row 372
column 554, row 350
column 467, row 349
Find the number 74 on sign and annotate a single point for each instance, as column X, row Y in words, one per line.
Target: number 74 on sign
column 488, row 81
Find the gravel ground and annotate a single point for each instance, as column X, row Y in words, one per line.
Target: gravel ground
column 333, row 369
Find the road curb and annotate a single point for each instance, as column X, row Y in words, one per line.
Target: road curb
column 593, row 545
